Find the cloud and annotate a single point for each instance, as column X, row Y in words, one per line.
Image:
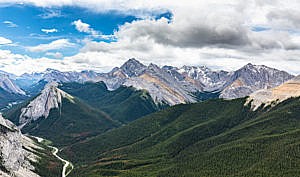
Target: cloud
column 53, row 30
column 56, row 55
column 285, row 19
column 4, row 41
column 84, row 27
column 54, row 45
column 184, row 34
column 51, row 13
column 19, row 64
column 10, row 24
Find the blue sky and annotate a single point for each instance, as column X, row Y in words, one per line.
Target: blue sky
column 24, row 24
column 101, row 34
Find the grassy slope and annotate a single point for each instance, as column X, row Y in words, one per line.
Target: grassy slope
column 74, row 121
column 213, row 138
column 124, row 104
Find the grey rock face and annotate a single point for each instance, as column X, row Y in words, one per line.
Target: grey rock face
column 201, row 78
column 273, row 96
column 162, row 87
column 13, row 157
column 8, row 85
column 50, row 98
column 251, row 78
column 133, row 68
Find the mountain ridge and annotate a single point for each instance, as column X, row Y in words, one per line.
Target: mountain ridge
column 172, row 85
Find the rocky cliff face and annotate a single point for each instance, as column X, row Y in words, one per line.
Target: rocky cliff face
column 14, row 158
column 8, row 85
column 49, row 98
column 251, row 78
column 275, row 95
column 200, row 78
column 162, row 87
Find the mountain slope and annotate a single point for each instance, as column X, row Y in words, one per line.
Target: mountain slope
column 60, row 117
column 213, row 138
column 9, row 92
column 251, row 78
column 8, row 85
column 124, row 104
column 275, row 95
column 7, row 99
column 22, row 156
column 162, row 87
column 201, row 78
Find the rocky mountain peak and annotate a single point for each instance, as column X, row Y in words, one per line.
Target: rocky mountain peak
column 132, row 67
column 251, row 78
column 49, row 98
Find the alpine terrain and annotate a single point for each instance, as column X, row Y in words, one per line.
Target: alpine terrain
column 100, row 88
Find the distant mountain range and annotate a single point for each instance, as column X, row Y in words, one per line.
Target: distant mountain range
column 166, row 85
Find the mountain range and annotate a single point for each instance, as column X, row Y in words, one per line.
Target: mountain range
column 166, row 85
column 131, row 121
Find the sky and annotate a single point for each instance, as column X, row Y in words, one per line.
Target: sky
column 75, row 35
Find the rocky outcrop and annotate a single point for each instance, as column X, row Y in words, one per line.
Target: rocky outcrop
column 14, row 158
column 49, row 98
column 162, row 87
column 251, row 78
column 275, row 95
column 8, row 85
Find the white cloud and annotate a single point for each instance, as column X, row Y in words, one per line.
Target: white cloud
column 10, row 24
column 19, row 64
column 53, row 30
column 84, row 27
column 54, row 45
column 4, row 41
column 56, row 55
column 51, row 13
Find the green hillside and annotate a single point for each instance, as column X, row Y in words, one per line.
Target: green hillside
column 212, row 138
column 93, row 111
column 47, row 164
column 74, row 121
column 124, row 104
